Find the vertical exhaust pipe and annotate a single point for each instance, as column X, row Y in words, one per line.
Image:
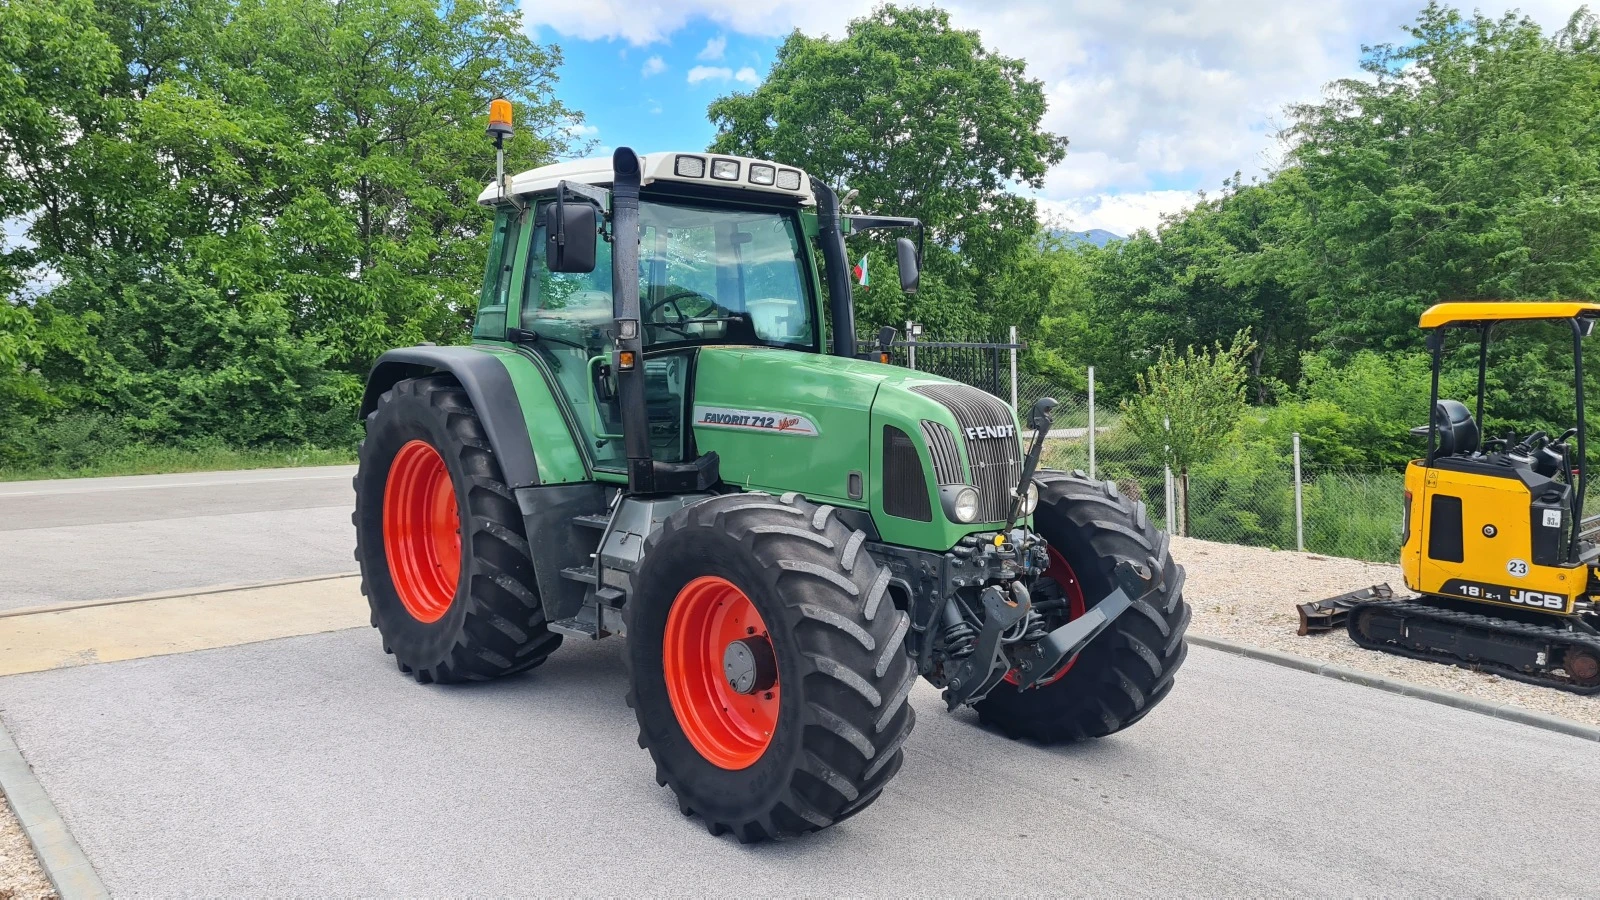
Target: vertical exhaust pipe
column 841, row 304
column 628, row 356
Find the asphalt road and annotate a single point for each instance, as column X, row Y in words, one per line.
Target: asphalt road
column 94, row 538
column 309, row 766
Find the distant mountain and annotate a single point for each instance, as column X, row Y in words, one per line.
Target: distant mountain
column 1096, row 236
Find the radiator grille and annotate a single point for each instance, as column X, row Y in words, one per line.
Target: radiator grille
column 905, row 488
column 996, row 463
column 946, row 459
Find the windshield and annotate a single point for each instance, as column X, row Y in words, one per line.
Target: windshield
column 706, row 275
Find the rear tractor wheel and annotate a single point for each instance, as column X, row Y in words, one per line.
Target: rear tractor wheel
column 444, row 561
column 1128, row 669
column 766, row 666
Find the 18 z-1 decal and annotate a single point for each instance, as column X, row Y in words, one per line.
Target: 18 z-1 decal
column 1494, row 593
column 753, row 420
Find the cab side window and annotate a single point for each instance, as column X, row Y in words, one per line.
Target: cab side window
column 490, row 323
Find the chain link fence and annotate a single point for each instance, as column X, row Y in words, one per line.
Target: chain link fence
column 1264, row 494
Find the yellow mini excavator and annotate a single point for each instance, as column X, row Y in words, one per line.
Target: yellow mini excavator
column 1504, row 566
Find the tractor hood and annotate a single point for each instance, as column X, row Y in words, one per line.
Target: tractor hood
column 859, row 434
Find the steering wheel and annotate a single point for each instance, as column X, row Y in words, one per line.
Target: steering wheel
column 672, row 301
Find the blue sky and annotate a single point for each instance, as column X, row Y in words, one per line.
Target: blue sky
column 1161, row 98
column 643, row 96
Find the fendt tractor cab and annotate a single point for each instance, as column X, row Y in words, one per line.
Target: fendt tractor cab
column 1494, row 540
column 661, row 429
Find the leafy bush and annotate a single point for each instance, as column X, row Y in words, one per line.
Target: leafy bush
column 71, row 441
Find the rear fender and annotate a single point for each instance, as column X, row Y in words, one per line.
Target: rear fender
column 487, row 381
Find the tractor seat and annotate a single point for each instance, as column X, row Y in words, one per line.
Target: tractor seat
column 1458, row 433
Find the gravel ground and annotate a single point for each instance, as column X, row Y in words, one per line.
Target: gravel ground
column 1249, row 594
column 20, row 876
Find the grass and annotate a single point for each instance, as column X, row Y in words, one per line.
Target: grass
column 146, row 460
column 1355, row 514
column 1349, row 514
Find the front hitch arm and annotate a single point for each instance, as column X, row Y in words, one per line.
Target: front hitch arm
column 1041, row 660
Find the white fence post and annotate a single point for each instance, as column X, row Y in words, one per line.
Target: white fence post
column 911, row 345
column 1091, row 422
column 1170, row 500
column 1172, row 494
column 1299, row 506
column 1014, row 367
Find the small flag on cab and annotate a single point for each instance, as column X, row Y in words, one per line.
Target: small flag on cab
column 861, row 273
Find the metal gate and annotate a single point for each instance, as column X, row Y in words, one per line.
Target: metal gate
column 986, row 365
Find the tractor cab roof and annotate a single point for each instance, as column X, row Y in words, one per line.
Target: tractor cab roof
column 1444, row 314
column 706, row 169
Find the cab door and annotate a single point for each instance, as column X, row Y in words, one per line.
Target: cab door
column 571, row 313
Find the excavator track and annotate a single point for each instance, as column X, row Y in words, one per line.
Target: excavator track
column 1537, row 654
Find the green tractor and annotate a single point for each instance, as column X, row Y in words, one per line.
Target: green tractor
column 662, row 430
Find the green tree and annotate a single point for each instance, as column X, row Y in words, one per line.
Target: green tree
column 1187, row 403
column 1464, row 166
column 918, row 119
column 1234, row 261
column 245, row 201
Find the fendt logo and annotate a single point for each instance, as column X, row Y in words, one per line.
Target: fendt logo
column 982, row 432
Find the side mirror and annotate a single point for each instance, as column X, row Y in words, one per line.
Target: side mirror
column 910, row 277
column 570, row 235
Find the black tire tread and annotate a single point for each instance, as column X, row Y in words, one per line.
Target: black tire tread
column 503, row 631
column 856, row 718
column 1129, row 669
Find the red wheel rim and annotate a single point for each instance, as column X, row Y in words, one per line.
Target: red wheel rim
column 731, row 730
column 1061, row 572
column 422, row 531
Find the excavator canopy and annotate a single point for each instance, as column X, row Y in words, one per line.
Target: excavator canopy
column 1442, row 314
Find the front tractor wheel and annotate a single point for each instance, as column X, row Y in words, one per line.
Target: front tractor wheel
column 1129, row 668
column 444, row 562
column 766, row 666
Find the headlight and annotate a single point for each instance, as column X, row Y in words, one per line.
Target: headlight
column 689, row 167
column 965, row 505
column 1030, row 499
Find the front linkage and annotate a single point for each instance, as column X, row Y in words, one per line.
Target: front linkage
column 969, row 644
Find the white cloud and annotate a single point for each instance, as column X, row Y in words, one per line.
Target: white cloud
column 14, row 233
column 1120, row 214
column 1159, row 97
column 747, row 75
column 709, row 73
column 655, row 65
column 714, row 48
column 647, row 23
column 580, row 130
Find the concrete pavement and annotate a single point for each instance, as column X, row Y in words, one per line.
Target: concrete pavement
column 106, row 632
